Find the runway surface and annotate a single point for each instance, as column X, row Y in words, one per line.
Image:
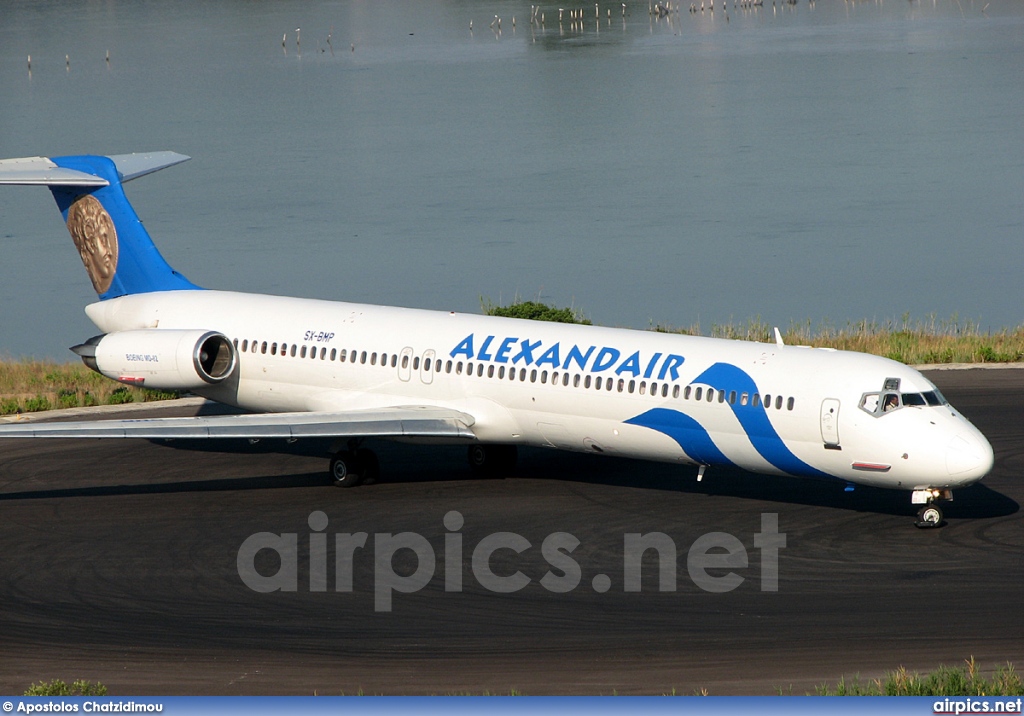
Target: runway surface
column 119, row 564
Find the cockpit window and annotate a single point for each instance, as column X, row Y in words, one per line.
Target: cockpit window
column 889, row 399
column 913, row 399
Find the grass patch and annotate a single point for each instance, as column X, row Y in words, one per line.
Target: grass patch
column 30, row 386
column 944, row 681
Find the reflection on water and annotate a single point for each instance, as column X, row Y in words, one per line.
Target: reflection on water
column 830, row 160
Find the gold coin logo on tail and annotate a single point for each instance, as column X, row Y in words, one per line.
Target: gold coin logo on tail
column 94, row 235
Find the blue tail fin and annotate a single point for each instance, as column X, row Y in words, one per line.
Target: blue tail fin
column 118, row 254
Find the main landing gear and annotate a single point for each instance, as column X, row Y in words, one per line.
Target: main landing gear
column 492, row 460
column 354, row 466
column 930, row 514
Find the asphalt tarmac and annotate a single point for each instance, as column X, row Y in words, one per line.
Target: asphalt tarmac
column 120, row 563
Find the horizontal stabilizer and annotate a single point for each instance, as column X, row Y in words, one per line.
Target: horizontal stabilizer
column 413, row 421
column 41, row 171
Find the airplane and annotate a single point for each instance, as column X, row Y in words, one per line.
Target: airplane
column 313, row 368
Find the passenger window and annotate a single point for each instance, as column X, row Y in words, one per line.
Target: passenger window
column 565, row 379
column 373, row 358
column 245, row 345
column 501, row 372
column 458, row 366
column 341, row 356
column 469, row 369
column 711, row 395
column 698, row 394
column 543, row 376
column 490, row 371
column 790, row 403
column 608, row 384
column 235, row 342
column 643, row 388
column 362, row 358
column 479, row 370
column 622, row 384
column 405, row 363
column 323, row 353
column 778, row 402
column 576, row 381
column 744, row 398
column 263, row 347
column 416, row 363
column 756, row 400
column 448, row 367
column 675, row 391
column 334, row 353
column 273, row 349
column 437, row 366
column 586, row 381
column 533, row 376
column 732, row 397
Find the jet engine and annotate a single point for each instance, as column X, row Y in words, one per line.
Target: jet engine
column 167, row 359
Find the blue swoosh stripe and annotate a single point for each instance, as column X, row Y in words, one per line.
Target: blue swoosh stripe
column 692, row 438
column 754, row 421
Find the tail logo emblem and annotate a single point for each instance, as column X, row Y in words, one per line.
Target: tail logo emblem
column 93, row 232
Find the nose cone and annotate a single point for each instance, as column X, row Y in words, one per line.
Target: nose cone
column 969, row 457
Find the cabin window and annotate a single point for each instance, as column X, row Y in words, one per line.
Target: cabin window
column 586, row 382
column 576, row 381
column 334, row 354
column 479, row 370
column 543, row 376
column 373, row 358
column 732, row 397
column 533, row 376
column 437, row 366
column 565, row 379
column 643, row 387
column 490, row 371
column 245, row 345
column 312, row 352
column 501, row 372
column 554, row 377
column 273, row 349
column 778, row 402
column 405, row 363
column 383, row 360
column 458, row 367
column 522, row 375
column 469, row 369
column 235, row 342
column 342, row 354
column 789, row 404
column 756, row 400
column 622, row 384
column 711, row 395
column 675, row 391
column 416, row 363
column 323, row 353
column 686, row 393
column 302, row 353
column 284, row 349
column 698, row 394
column 362, row 358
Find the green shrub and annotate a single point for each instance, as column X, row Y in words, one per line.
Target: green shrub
column 36, row 404
column 535, row 311
column 120, row 396
column 59, row 688
column 9, row 406
column 67, row 398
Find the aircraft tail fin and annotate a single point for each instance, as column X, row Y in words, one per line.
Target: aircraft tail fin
column 116, row 249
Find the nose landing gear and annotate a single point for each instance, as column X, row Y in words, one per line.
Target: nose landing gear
column 930, row 515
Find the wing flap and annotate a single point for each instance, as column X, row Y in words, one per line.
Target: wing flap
column 411, row 421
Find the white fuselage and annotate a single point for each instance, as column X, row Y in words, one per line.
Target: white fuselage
column 536, row 383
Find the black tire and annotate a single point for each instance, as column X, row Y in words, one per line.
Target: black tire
column 929, row 516
column 492, row 460
column 345, row 471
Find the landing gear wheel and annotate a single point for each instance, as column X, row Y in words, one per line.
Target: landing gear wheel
column 492, row 460
column 929, row 516
column 344, row 470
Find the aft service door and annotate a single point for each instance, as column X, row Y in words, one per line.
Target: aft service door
column 830, row 422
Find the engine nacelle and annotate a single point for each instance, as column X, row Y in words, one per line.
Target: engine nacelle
column 166, row 359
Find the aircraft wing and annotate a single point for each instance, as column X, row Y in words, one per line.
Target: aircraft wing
column 406, row 421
